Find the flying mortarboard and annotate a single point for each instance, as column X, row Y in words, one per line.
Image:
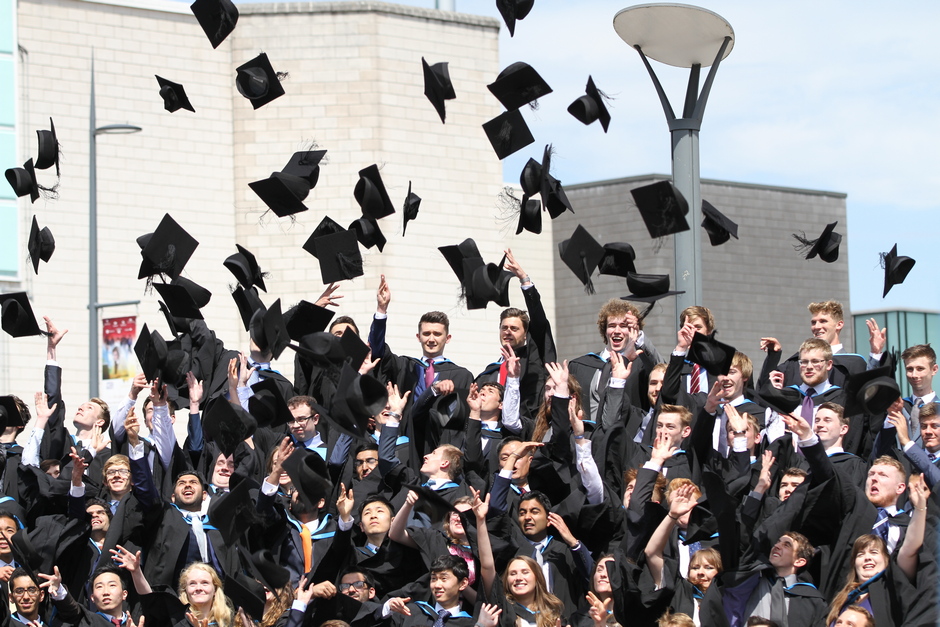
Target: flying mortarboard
column 530, row 216
column 248, row 302
column 151, row 350
column 216, row 17
column 9, row 413
column 783, row 401
column 719, row 227
column 178, row 301
column 354, row 348
column 648, row 288
column 618, row 259
column 245, row 268
column 590, row 107
column 282, row 193
column 267, row 329
column 826, row 245
column 357, row 399
column 305, row 318
column 870, row 392
column 339, row 256
column 245, row 593
column 508, row 133
column 306, row 165
column 166, row 250
column 268, row 405
column 327, row 226
column 41, row 244
column 257, row 81
column 48, row 154
column 308, row 472
column 711, row 354
column 437, row 85
column 518, row 85
column 662, row 208
column 174, row 96
column 512, row 10
column 486, row 283
column 23, row 181
column 410, row 210
column 227, row 425
column 896, row 269
column 371, row 195
column 16, row 315
column 582, row 253
column 368, row 232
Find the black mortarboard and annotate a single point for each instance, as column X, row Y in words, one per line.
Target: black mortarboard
column 48, row 154
column 719, row 227
column 537, row 178
column 267, row 405
column 266, row 570
column 257, row 81
column 508, row 133
column 198, row 293
column 306, row 165
column 870, row 392
column 308, row 473
column 357, row 399
column 178, row 301
column 371, row 195
column 23, row 181
column 896, row 269
column 354, row 348
column 16, row 315
column 339, row 257
column 305, row 318
column 662, row 208
column 826, row 245
column 435, row 505
column 530, row 216
column 268, row 331
column 216, row 17
column 513, row 10
column 437, row 85
column 451, row 410
column 151, row 351
column 617, row 260
column 245, row 268
column 41, row 244
column 591, row 106
column 166, row 250
column 282, row 193
column 518, row 85
column 9, row 413
column 485, row 283
column 456, row 254
column 245, row 593
column 648, row 288
column 783, row 401
column 410, row 209
column 321, row 347
column 227, row 425
column 581, row 253
column 711, row 354
column 327, row 226
column 368, row 232
column 174, row 96
column 248, row 302
column 234, row 512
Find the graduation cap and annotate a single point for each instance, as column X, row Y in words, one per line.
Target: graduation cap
column 16, row 315
column 537, row 178
column 513, row 10
column 282, row 193
column 456, row 254
column 437, row 85
column 327, row 226
column 321, row 347
column 591, row 107
column 227, row 424
column 518, row 85
column 216, row 17
column 266, row 570
column 870, row 392
column 308, row 473
column 432, row 503
column 355, row 349
column 245, row 593
column 306, row 165
column 268, row 405
column 166, row 250
column 151, row 350
column 451, row 410
column 508, row 133
column 305, row 318
column 41, row 244
column 371, row 195
column 178, row 301
column 357, row 399
column 783, row 401
column 617, row 260
column 9, row 412
column 662, row 208
column 486, row 283
column 174, row 96
column 896, row 268
column 245, row 268
column 257, row 81
column 234, row 512
column 339, row 257
column 826, row 245
column 648, row 288
column 368, row 233
column 23, row 181
column 410, row 210
column 530, row 216
column 719, row 227
column 711, row 354
column 581, row 253
column 267, row 329
column 248, row 302
column 48, row 154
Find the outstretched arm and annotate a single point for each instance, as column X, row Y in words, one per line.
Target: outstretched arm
column 914, row 538
column 398, row 531
column 683, row 500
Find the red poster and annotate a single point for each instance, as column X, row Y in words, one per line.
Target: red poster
column 117, row 353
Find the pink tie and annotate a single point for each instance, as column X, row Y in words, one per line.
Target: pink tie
column 429, row 375
column 694, row 385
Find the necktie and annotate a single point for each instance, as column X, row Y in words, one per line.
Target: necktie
column 307, row 542
column 116, row 621
column 695, row 385
column 429, row 375
column 195, row 521
column 881, row 526
column 778, row 602
column 503, row 373
column 914, row 423
column 931, row 456
column 806, row 410
column 442, row 615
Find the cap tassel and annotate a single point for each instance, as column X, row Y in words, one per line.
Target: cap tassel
column 348, row 265
column 882, row 260
column 588, row 285
column 804, row 244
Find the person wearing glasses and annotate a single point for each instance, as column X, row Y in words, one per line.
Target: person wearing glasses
column 303, row 425
column 28, row 599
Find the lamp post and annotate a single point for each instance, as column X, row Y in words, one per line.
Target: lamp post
column 689, row 37
column 93, row 304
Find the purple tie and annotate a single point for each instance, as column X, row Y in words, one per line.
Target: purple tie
column 429, row 375
column 807, row 408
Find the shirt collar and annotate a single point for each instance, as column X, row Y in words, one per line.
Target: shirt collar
column 312, row 525
column 453, row 610
column 315, row 442
column 836, row 348
column 821, row 388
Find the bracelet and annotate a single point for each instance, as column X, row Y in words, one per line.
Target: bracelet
column 395, row 415
column 673, row 517
column 579, row 437
column 526, row 279
column 921, row 509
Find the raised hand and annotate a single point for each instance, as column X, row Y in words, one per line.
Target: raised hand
column 138, row 385
column 474, row 401
column 125, row 559
column 771, row 344
column 662, row 450
column 513, row 266
column 558, row 373
column 489, row 615
column 620, row 368
column 683, row 501
column 513, row 367
column 43, row 411
column 764, row 479
column 383, row 296
column 327, row 297
column 398, row 605
column 877, row 338
column 798, row 425
column 195, row 391
column 345, row 503
column 561, row 527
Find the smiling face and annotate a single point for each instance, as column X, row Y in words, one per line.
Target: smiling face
column 829, row 428
column 354, row 585
column 512, row 332
column 26, row 596
column 732, row 384
column 446, row 587
column 884, row 485
column 669, row 426
column 701, row 572
column 188, row 493
column 7, row 529
column 376, row 518
column 783, row 556
column 920, row 373
column 222, row 473
column 433, row 337
column 303, row 424
column 869, row 561
column 200, row 590
column 825, row 327
column 930, row 433
column 118, row 478
column 521, row 581
column 99, row 518
column 108, row 593
column 601, row 580
column 617, row 331
column 533, row 519
column 814, row 367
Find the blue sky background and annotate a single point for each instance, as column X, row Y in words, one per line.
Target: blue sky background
column 839, row 96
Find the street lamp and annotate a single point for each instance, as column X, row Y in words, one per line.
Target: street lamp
column 93, row 304
column 689, row 37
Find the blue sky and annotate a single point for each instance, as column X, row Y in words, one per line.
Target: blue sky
column 839, row 96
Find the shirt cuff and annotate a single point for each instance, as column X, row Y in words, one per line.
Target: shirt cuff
column 528, row 286
column 739, row 445
column 755, row 495
column 504, row 473
column 680, row 353
column 876, row 356
column 300, row 606
column 268, row 488
column 380, row 316
column 811, row 440
column 345, row 525
column 651, row 465
column 616, row 383
column 392, row 422
column 78, row 491
column 910, row 444
column 136, row 452
column 59, row 593
column 52, row 362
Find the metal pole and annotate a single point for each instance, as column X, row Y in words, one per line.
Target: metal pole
column 93, row 373
column 688, row 254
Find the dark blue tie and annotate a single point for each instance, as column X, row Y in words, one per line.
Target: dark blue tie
column 442, row 615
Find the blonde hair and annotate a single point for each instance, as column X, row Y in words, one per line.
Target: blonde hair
column 679, row 482
column 815, row 343
column 547, row 607
column 221, row 612
column 675, row 620
column 698, row 311
column 743, row 364
column 455, row 456
column 831, row 307
column 283, row 597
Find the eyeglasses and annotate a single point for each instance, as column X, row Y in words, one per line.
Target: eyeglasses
column 117, row 472
column 358, row 585
column 367, row 460
column 31, row 591
column 299, row 420
column 815, row 363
